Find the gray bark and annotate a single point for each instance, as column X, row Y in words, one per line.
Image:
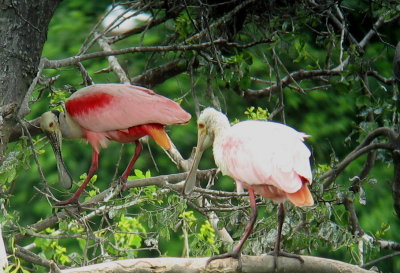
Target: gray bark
column 23, row 32
column 252, row 264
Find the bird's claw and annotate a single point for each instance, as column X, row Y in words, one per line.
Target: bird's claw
column 232, row 254
column 284, row 254
column 68, row 202
column 122, row 183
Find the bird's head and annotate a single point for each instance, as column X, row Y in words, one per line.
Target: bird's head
column 49, row 122
column 209, row 124
column 50, row 125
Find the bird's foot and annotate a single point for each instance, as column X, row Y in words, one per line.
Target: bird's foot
column 235, row 254
column 69, row 202
column 122, row 183
column 277, row 253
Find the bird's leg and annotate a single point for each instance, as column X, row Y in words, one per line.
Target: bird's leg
column 93, row 168
column 125, row 174
column 236, row 251
column 277, row 251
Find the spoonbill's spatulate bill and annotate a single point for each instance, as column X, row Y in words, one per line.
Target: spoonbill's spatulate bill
column 104, row 112
column 266, row 158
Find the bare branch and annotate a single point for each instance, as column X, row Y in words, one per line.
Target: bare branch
column 33, row 126
column 334, row 172
column 31, row 257
column 380, row 259
column 254, row 264
column 75, row 59
column 159, row 74
column 115, row 66
column 292, row 77
column 376, row 75
column 355, row 227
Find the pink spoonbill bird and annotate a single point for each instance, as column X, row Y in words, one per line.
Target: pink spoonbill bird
column 103, row 112
column 266, row 158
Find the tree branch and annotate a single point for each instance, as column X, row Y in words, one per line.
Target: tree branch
column 254, row 264
column 335, row 171
column 75, row 59
column 161, row 181
column 159, row 74
column 362, row 148
column 114, row 64
column 292, row 77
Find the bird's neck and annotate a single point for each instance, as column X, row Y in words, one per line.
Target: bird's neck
column 221, row 125
column 69, row 128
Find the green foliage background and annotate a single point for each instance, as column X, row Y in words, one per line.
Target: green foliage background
column 335, row 118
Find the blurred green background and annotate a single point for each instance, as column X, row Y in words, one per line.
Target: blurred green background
column 335, row 117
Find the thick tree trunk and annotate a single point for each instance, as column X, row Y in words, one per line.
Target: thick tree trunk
column 23, row 31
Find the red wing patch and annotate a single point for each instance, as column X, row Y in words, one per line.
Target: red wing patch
column 86, row 103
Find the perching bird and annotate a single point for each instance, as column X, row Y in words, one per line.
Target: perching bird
column 103, row 112
column 266, row 158
column 120, row 20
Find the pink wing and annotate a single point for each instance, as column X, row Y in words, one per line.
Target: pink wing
column 106, row 107
column 266, row 153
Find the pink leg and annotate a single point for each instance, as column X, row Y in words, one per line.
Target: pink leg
column 236, row 251
column 93, row 168
column 138, row 150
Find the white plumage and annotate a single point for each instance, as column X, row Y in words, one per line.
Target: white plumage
column 120, row 20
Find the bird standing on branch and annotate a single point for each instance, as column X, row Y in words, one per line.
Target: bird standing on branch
column 103, row 112
column 266, row 158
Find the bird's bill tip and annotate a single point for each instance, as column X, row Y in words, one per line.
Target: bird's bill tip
column 190, row 182
column 64, row 176
column 191, row 178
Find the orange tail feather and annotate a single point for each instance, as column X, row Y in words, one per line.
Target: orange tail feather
column 302, row 197
column 159, row 135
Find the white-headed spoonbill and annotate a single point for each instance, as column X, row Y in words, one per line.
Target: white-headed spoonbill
column 266, row 158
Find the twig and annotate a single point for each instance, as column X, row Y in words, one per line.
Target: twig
column 115, row 66
column 294, row 76
column 223, row 20
column 380, row 259
column 42, row 177
column 24, row 108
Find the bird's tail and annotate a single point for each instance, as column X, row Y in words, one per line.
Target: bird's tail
column 301, row 197
column 157, row 132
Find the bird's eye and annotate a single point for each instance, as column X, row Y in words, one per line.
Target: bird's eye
column 51, row 124
column 201, row 125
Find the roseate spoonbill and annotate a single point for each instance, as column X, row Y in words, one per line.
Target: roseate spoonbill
column 121, row 20
column 103, row 112
column 266, row 158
